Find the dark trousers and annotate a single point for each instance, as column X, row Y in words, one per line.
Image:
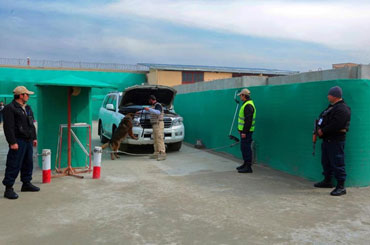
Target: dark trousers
column 246, row 147
column 19, row 160
column 332, row 159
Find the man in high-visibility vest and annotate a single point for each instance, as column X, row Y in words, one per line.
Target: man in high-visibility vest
column 247, row 116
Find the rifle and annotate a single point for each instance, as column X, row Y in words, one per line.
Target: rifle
column 314, row 137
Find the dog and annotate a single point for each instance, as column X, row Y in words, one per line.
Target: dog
column 124, row 129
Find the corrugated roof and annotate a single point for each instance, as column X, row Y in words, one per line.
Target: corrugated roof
column 218, row 69
column 74, row 81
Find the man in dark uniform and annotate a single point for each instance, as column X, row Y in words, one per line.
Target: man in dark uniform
column 247, row 115
column 20, row 133
column 332, row 127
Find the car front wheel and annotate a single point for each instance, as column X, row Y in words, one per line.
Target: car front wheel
column 103, row 139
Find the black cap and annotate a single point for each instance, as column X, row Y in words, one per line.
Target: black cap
column 152, row 97
column 336, row 92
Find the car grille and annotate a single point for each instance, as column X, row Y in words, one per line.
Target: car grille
column 145, row 123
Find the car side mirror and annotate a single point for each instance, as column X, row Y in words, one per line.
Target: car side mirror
column 110, row 107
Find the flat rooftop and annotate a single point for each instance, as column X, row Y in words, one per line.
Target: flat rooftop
column 194, row 197
column 217, row 69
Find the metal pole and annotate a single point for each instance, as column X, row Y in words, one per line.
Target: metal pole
column 69, row 127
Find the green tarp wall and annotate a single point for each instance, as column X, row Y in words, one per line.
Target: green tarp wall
column 284, row 125
column 53, row 108
column 12, row 77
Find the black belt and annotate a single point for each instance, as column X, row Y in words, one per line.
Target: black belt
column 331, row 140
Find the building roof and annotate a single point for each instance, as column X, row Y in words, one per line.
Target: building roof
column 256, row 71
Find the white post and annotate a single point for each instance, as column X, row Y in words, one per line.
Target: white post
column 46, row 167
column 97, row 162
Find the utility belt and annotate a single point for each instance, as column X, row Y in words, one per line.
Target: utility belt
column 332, row 141
column 343, row 130
column 156, row 122
column 338, row 137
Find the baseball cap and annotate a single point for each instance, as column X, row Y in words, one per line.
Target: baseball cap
column 22, row 90
column 245, row 91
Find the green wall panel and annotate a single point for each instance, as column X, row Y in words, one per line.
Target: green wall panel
column 284, row 124
column 53, row 112
column 12, row 77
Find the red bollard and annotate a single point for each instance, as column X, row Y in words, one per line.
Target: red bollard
column 97, row 162
column 46, row 169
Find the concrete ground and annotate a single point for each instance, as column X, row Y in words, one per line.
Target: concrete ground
column 193, row 197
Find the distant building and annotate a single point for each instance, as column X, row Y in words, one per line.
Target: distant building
column 341, row 65
column 172, row 75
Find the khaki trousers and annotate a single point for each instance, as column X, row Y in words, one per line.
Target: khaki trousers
column 158, row 136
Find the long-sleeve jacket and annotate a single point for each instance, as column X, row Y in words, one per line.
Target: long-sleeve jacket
column 18, row 123
column 335, row 121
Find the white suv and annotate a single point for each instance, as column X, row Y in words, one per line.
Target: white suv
column 117, row 104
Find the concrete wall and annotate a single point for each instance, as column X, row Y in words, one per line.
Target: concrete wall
column 236, row 82
column 364, row 71
column 358, row 72
column 342, row 73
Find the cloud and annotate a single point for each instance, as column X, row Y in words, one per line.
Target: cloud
column 334, row 24
column 339, row 24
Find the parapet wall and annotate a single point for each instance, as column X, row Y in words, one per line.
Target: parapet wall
column 357, row 72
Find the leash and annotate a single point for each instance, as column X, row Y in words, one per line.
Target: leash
column 185, row 153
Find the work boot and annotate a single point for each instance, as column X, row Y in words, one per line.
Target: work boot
column 246, row 169
column 161, row 156
column 326, row 183
column 339, row 190
column 10, row 193
column 29, row 187
column 240, row 167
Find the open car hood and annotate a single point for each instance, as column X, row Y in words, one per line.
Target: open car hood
column 139, row 95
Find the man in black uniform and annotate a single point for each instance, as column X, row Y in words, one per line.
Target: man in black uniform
column 332, row 127
column 20, row 133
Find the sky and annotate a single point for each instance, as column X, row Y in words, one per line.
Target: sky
column 292, row 35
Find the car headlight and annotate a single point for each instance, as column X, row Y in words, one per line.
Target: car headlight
column 136, row 122
column 177, row 121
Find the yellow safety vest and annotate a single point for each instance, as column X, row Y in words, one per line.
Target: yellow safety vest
column 241, row 116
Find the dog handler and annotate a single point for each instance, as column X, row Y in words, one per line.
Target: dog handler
column 247, row 116
column 20, row 133
column 156, row 119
